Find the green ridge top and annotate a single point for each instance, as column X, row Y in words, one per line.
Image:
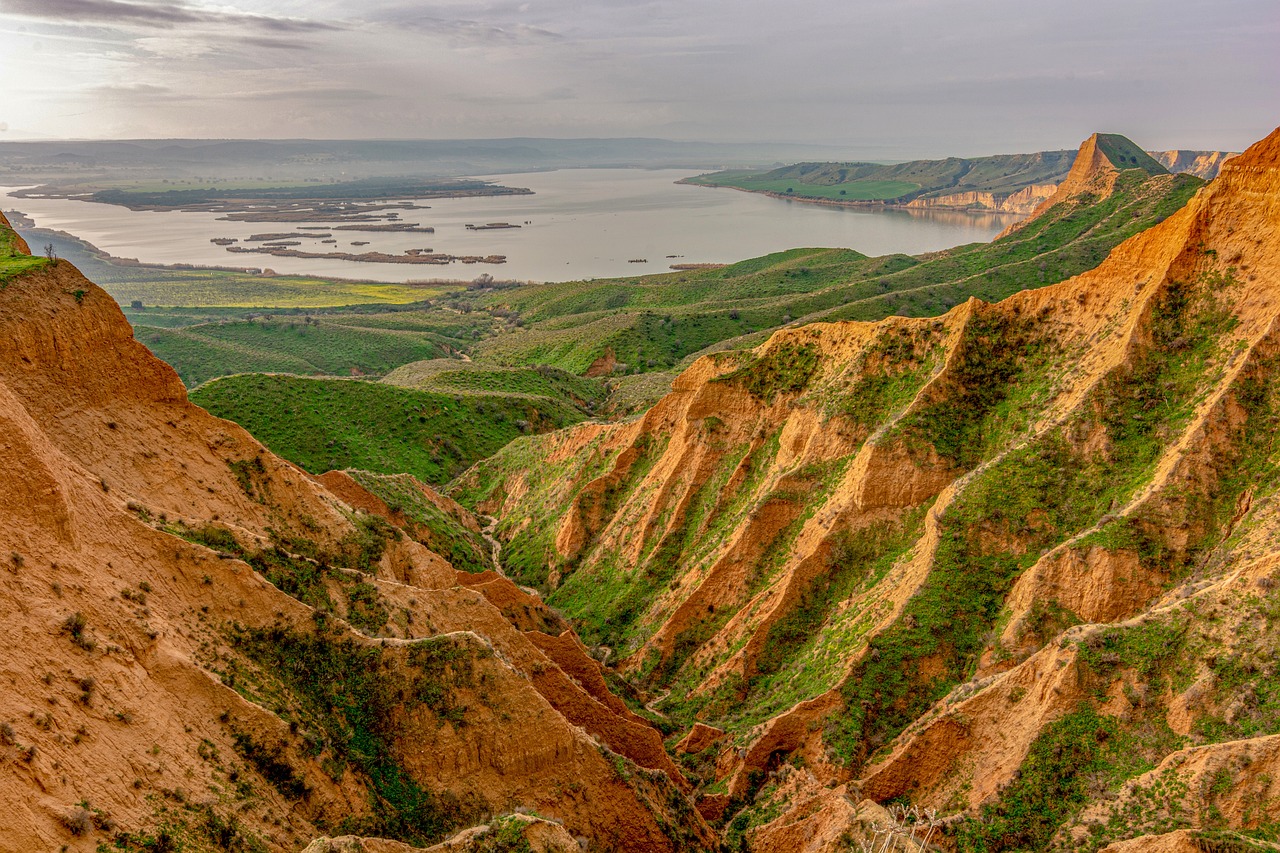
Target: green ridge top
column 1124, row 154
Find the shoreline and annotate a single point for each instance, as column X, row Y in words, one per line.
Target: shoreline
column 19, row 219
column 872, row 204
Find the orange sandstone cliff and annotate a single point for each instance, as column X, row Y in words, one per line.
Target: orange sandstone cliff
column 923, row 559
column 207, row 648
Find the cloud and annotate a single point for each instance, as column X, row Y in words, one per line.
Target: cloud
column 166, row 15
column 466, row 29
column 133, row 90
column 333, row 93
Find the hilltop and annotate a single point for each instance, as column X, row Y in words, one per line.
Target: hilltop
column 1006, row 183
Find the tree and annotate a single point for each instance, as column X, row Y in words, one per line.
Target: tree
column 51, row 253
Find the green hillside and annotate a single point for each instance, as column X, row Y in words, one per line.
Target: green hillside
column 452, row 376
column 326, row 424
column 901, row 182
column 12, row 260
column 333, row 345
column 654, row 323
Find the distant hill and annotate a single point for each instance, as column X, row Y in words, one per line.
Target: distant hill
column 119, row 162
column 1008, row 183
column 997, row 177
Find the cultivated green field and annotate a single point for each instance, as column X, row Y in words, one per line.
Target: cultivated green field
column 329, row 345
column 222, row 289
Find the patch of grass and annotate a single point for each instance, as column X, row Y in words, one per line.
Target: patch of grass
column 785, row 369
column 994, row 352
column 1052, row 784
column 358, row 695
column 293, row 345
column 13, row 261
column 440, row 531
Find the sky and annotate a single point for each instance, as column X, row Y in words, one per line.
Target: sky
column 886, row 78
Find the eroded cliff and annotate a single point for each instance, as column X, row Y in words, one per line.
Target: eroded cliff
column 210, row 649
column 927, row 559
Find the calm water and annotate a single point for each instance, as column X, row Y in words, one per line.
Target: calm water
column 584, row 223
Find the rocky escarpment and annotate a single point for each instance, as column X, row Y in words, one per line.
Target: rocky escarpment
column 209, row 647
column 955, row 560
column 1202, row 164
column 1023, row 201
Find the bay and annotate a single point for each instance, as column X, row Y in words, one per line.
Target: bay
column 578, row 224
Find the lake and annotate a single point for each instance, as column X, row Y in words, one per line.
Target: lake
column 582, row 223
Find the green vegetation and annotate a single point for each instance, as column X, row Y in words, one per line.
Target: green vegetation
column 886, row 386
column 13, row 261
column 332, row 346
column 1125, row 155
column 1025, row 502
column 358, row 696
column 995, row 351
column 304, row 570
column 426, row 522
column 785, row 369
column 854, row 190
column 1053, row 782
column 332, row 424
column 219, row 294
column 901, row 182
column 452, row 376
column 366, row 189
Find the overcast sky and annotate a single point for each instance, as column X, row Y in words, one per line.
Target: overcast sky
column 902, row 78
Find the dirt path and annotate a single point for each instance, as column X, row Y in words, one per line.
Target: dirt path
column 495, row 547
column 654, row 701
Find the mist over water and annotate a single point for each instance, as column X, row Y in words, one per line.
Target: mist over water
column 581, row 223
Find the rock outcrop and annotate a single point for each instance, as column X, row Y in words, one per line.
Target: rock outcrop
column 1202, row 164
column 1023, row 201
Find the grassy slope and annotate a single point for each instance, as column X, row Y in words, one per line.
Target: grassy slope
column 12, row 262
column 655, row 322
column 324, row 424
column 862, row 190
column 429, row 524
column 1122, row 152
column 1004, row 173
column 332, row 345
column 452, row 376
